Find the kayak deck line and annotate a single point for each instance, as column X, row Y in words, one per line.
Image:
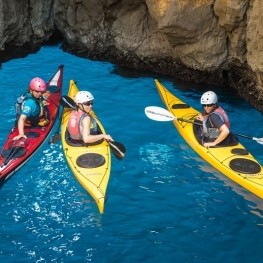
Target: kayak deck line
column 250, row 169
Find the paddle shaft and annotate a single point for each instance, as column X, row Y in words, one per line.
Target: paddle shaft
column 245, row 136
column 258, row 140
column 11, row 154
column 161, row 114
column 189, row 121
column 56, row 136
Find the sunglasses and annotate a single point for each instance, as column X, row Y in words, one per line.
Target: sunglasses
column 88, row 103
column 208, row 105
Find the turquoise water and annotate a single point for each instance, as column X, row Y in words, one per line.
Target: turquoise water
column 165, row 204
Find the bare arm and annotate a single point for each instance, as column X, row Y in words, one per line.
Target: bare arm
column 224, row 131
column 87, row 137
column 21, row 124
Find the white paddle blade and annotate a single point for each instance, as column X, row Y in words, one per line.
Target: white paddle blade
column 158, row 114
column 258, row 140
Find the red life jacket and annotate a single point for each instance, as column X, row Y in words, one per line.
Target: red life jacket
column 223, row 115
column 212, row 132
column 74, row 125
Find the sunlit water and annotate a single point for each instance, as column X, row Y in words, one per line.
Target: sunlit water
column 165, row 204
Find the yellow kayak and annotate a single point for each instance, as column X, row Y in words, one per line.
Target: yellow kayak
column 91, row 164
column 233, row 161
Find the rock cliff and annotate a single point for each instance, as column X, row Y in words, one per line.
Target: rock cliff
column 204, row 41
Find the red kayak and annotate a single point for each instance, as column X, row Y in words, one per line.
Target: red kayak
column 15, row 153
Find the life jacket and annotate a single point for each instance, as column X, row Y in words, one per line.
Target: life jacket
column 75, row 125
column 209, row 130
column 41, row 120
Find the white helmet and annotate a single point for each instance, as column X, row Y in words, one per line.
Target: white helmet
column 209, row 97
column 83, row 96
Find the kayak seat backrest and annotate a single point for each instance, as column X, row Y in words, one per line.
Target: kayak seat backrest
column 90, row 160
column 78, row 143
column 180, row 106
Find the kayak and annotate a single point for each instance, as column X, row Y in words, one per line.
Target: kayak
column 235, row 161
column 15, row 153
column 90, row 164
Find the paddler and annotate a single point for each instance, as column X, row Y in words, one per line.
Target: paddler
column 81, row 125
column 215, row 127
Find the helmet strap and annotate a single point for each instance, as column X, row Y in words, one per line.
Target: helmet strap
column 80, row 106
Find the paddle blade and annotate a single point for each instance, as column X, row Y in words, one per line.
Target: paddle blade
column 16, row 149
column 12, row 154
column 118, row 149
column 158, row 114
column 258, row 140
column 67, row 102
column 55, row 138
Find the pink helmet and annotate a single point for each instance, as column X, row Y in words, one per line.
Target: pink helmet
column 38, row 84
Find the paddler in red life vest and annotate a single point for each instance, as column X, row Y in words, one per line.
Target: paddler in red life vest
column 81, row 125
column 215, row 122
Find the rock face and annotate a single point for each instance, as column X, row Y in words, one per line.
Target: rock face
column 204, row 41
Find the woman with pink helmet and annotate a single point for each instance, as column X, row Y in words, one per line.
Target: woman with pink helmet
column 37, row 84
column 30, row 107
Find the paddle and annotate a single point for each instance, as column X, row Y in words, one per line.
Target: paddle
column 117, row 148
column 56, row 136
column 15, row 146
column 258, row 140
column 64, row 102
column 160, row 114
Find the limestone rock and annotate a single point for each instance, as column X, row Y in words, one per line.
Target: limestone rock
column 206, row 41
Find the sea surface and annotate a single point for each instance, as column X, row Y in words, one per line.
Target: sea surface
column 164, row 203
